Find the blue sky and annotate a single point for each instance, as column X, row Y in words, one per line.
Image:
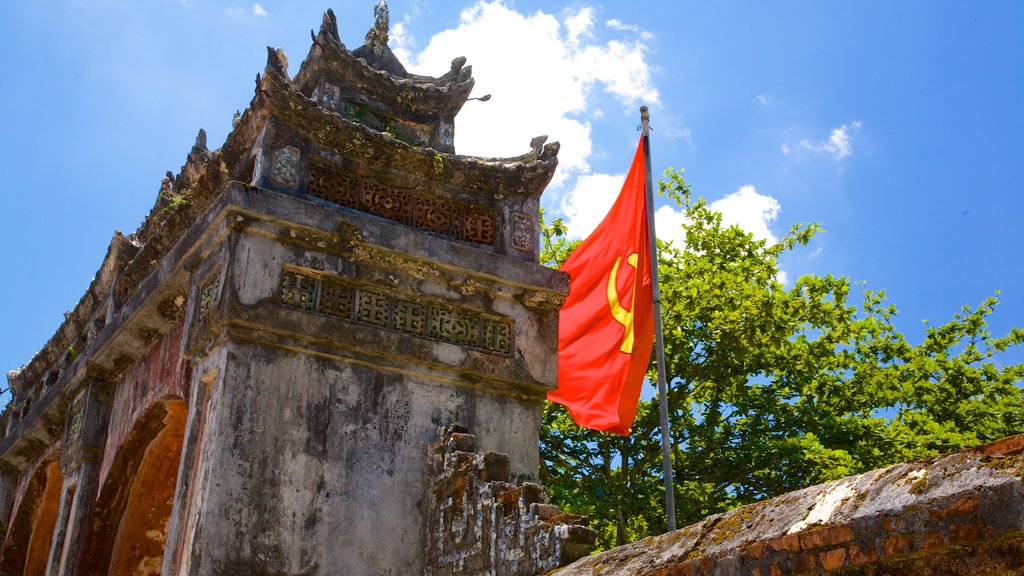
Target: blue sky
column 896, row 125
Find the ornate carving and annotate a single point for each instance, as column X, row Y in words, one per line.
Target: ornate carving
column 409, row 317
column 284, row 169
column 420, row 211
column 479, row 228
column 298, row 290
column 208, row 296
column 336, row 299
column 373, row 308
column 335, row 296
column 436, row 215
column 455, row 327
column 329, row 184
column 522, row 232
column 386, row 202
column 498, row 336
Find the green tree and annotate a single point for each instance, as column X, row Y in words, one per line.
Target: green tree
column 773, row 389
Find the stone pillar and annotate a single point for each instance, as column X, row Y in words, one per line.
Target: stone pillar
column 8, row 484
column 84, row 436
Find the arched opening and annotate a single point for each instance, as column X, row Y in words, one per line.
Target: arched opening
column 129, row 527
column 27, row 546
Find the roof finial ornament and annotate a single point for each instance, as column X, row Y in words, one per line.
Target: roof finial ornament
column 377, row 37
column 330, row 25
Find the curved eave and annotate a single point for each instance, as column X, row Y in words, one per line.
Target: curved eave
column 421, row 95
column 525, row 175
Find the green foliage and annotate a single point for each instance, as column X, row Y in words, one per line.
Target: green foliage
column 555, row 245
column 773, row 389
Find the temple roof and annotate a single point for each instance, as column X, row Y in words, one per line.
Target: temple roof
column 375, row 73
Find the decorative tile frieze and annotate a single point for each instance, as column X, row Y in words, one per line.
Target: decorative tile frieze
column 387, row 202
column 454, row 326
column 370, row 305
column 420, row 211
column 436, row 215
column 479, row 228
column 298, row 290
column 336, row 299
column 409, row 317
column 329, row 184
column 373, row 308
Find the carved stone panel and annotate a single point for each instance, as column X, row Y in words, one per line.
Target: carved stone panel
column 209, row 294
column 407, row 207
column 328, row 95
column 522, row 232
column 298, row 290
column 479, row 227
column 374, row 306
column 284, row 168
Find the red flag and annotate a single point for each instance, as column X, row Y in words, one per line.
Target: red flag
column 606, row 325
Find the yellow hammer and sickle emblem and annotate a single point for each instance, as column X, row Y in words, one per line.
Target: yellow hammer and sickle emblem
column 621, row 315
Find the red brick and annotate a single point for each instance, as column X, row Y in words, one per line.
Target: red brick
column 826, row 537
column 896, row 544
column 933, row 541
column 967, row 532
column 754, row 549
column 860, row 555
column 1005, row 447
column 961, row 507
column 788, row 543
column 807, row 562
column 833, row 558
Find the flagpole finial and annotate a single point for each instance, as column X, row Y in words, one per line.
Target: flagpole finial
column 645, row 119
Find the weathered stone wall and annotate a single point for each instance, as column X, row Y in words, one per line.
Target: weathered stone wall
column 362, row 351
column 477, row 522
column 955, row 515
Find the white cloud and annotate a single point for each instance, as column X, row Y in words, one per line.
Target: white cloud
column 544, row 76
column 668, row 222
column 838, row 144
column 239, row 13
column 746, row 208
column 402, row 41
column 616, row 24
column 579, row 25
column 761, row 99
column 588, row 202
column 750, row 210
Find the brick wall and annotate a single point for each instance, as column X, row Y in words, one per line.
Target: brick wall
column 957, row 514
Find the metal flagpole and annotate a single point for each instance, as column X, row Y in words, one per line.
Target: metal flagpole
column 666, row 438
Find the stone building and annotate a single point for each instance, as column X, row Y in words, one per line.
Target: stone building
column 323, row 352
